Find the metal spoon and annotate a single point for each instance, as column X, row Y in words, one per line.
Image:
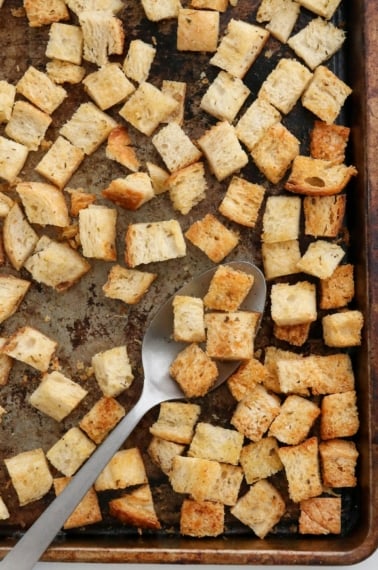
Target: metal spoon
column 158, row 352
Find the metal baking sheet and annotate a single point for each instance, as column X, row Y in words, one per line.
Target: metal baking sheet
column 84, row 322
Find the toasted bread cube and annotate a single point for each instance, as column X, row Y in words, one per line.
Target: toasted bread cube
column 162, row 10
column 324, row 215
column 175, row 147
column 230, row 336
column 197, row 30
column 194, row 476
column 102, row 418
column 57, row 396
column 212, row 237
column 285, row 84
column 12, row 291
column 260, row 459
column 130, row 192
column 39, row 14
column 242, row 202
column 177, row 89
column 154, row 241
column 19, row 237
column 239, row 47
column 260, row 508
column 329, row 141
column 296, row 418
column 293, row 304
column 163, row 451
column 97, row 230
column 6, row 363
column 138, row 60
column 321, row 258
column 271, row 358
column 44, row 204
column 256, row 120
column 325, row 94
column 147, row 107
column 316, row 177
column 275, row 151
column 187, row 187
column 69, row 453
column 222, row 149
column 119, row 148
column 79, row 200
column 281, row 219
column 201, row 518
column 65, row 43
column 125, row 469
column 324, row 8
column 225, row 97
column 280, row 258
column 7, row 97
column 338, row 290
column 176, row 422
column 320, row 515
column 113, row 370
column 78, row 6
column 136, row 508
column 30, row 475
column 227, row 485
column 127, row 285
column 4, row 513
column 64, row 72
column 339, row 415
column 247, row 376
column 188, row 319
column 317, row 42
column 194, row 371
column 216, row 443
column 254, row 414
column 292, row 377
column 88, row 510
column 88, row 127
column 31, row 346
column 6, row 203
column 13, row 156
column 27, row 125
column 301, row 464
column 338, row 463
column 220, row 5
column 280, row 15
column 343, row 329
column 39, row 89
column 108, row 86
column 103, row 35
column 228, row 289
column 60, row 162
column 296, row 335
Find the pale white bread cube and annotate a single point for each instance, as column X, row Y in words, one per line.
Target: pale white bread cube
column 295, row 420
column 339, row 417
column 220, row 5
column 175, row 147
column 108, row 86
column 13, row 156
column 317, row 42
column 329, row 141
column 194, row 371
column 293, row 304
column 102, row 418
column 281, row 218
column 245, row 379
column 127, row 285
column 125, row 469
column 188, row 319
column 65, row 72
column 154, row 241
column 242, row 201
column 260, row 459
column 147, row 107
column 225, row 97
column 201, row 518
column 280, row 17
column 228, row 288
column 162, row 10
column 78, row 6
column 339, row 289
column 324, row 8
column 6, row 363
column 255, row 121
column 97, row 231
column 285, row 84
column 130, row 192
column 103, row 35
column 212, row 237
column 176, row 422
column 44, row 204
column 194, row 476
column 324, row 215
column 60, row 162
column 112, row 370
column 326, row 94
column 239, row 47
column 222, row 149
column 6, row 203
column 56, row 264
column 57, row 395
column 271, row 358
column 260, row 508
column 138, row 60
column 216, row 443
column 119, row 148
column 70, row 451
column 4, row 513
column 280, row 258
column 187, row 187
column 65, row 43
column 12, row 291
column 254, row 414
column 30, row 475
column 7, row 97
column 27, row 125
column 230, row 336
column 177, row 89
column 32, row 347
column 321, row 258
column 19, row 237
column 159, row 177
column 302, row 468
column 79, row 200
column 197, row 30
column 275, row 151
column 338, row 459
column 162, row 452
column 317, row 177
column 136, row 508
column 40, row 14
column 87, row 512
column 343, row 329
column 40, row 90
column 320, row 516
column 88, row 127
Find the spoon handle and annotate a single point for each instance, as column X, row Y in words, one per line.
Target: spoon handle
column 28, row 550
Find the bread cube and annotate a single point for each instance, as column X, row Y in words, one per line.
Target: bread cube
column 271, row 358
column 127, row 285
column 227, row 485
column 130, row 192
column 280, row 15
column 275, row 151
column 78, row 6
column 320, row 516
column 162, row 452
column 97, row 230
column 296, row 418
column 338, row 290
column 293, row 304
column 324, row 8
column 296, row 335
column 247, row 376
column 343, row 329
column 339, row 415
column 177, row 89
column 280, row 258
column 216, row 443
column 138, row 60
column 187, row 187
column 30, row 475
column 197, row 30
column 212, row 237
column 324, row 215
column 194, row 371
column 260, row 459
column 70, row 451
column 220, row 5
column 176, row 422
column 60, row 162
column 228, row 289
column 125, row 469
column 254, row 414
column 12, row 291
column 325, row 95
column 260, row 508
column 4, row 513
column 317, row 177
column 64, row 72
column 6, row 203
column 65, row 43
column 87, row 512
column 6, row 363
column 321, row 258
column 57, row 396
column 329, row 141
column 79, row 200
column 241, row 44
column 162, row 10
column 13, row 156
column 31, row 346
column 102, row 418
column 201, row 518
column 225, row 97
column 292, row 376
column 194, row 476
column 230, row 335
column 317, row 42
column 39, row 89
column 136, row 509
column 103, row 35
column 113, row 370
column 19, row 237
column 27, row 126
column 150, row 242
column 7, row 97
column 242, row 202
column 108, row 86
column 175, row 147
column 301, row 464
column 188, row 319
column 338, row 463
column 255, row 121
column 39, row 14
column 281, row 219
column 119, row 148
column 44, row 204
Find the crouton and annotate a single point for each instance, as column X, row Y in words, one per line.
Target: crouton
column 154, row 241
column 188, row 319
column 324, row 8
column 60, row 162
column 343, row 329
column 255, row 121
column 65, row 43
column 79, row 200
column 242, row 202
column 247, row 376
column 321, row 258
column 329, row 141
column 230, row 335
column 228, row 289
column 44, row 204
column 70, row 451
column 40, row 90
column 7, row 97
column 97, row 230
column 162, row 10
column 316, row 177
column 30, row 475
column 64, row 72
column 101, row 418
column 260, row 459
column 281, row 219
column 194, row 371
column 19, row 237
column 293, row 304
column 272, row 356
column 225, row 97
column 13, row 156
column 175, row 147
column 216, row 443
column 27, row 126
column 212, row 237
column 337, row 290
column 177, row 89
column 280, row 258
column 296, row 335
column 339, row 417
column 119, row 148
column 31, row 346
column 176, row 422
column 108, row 86
column 125, row 469
column 103, row 35
column 301, row 464
column 280, row 17
column 338, row 463
column 254, row 414
column 194, row 476
column 320, row 515
column 4, row 513
column 187, row 187
column 197, row 30
column 87, row 512
column 136, row 508
column 162, row 452
column 201, row 518
column 127, row 285
column 6, row 363
column 324, row 215
column 220, row 5
column 130, row 192
column 293, row 423
column 138, row 60
column 39, row 14
column 113, row 370
column 12, row 292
